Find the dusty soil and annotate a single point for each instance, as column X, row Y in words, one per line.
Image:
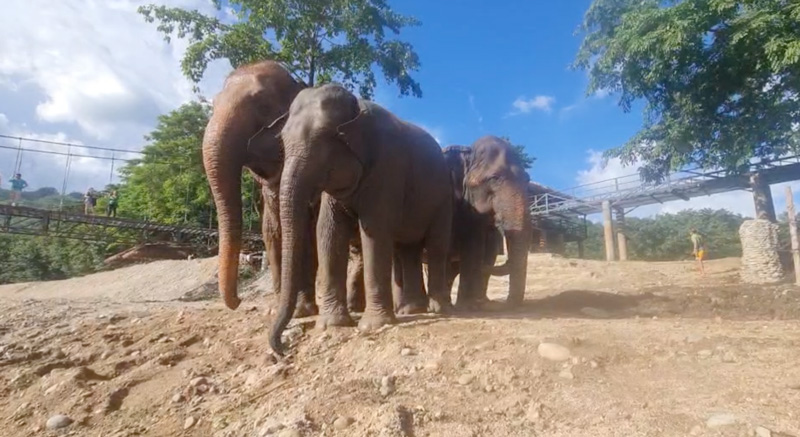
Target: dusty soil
column 652, row 349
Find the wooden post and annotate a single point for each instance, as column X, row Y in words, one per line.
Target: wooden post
column 622, row 241
column 608, row 230
column 793, row 233
column 762, row 196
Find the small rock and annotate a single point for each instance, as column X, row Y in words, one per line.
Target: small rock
column 406, row 351
column 593, row 364
column 342, row 423
column 553, row 352
column 200, row 380
column 696, row 430
column 566, row 374
column 718, row 420
column 763, row 432
column 177, row 398
column 189, row 422
column 387, row 386
column 58, row 421
column 329, row 360
column 465, row 379
column 290, row 432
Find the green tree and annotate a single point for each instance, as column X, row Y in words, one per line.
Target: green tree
column 168, row 184
column 319, row 40
column 720, row 78
column 665, row 237
column 527, row 160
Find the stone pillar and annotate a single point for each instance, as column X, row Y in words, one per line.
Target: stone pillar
column 760, row 261
column 608, row 230
column 762, row 196
column 622, row 240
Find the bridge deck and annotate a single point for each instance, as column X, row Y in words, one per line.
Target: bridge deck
column 37, row 221
column 629, row 191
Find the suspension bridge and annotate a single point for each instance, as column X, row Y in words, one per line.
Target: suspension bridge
column 68, row 220
column 623, row 194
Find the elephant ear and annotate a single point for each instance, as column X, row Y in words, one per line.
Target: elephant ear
column 353, row 133
column 458, row 160
column 272, row 129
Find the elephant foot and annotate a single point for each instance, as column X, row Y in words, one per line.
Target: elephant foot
column 412, row 308
column 514, row 302
column 468, row 305
column 371, row 322
column 335, row 320
column 305, row 309
column 440, row 306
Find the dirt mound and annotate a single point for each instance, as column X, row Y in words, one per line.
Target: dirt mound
column 635, row 349
column 152, row 282
column 148, row 252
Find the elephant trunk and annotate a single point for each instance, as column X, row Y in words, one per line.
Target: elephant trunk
column 295, row 195
column 513, row 217
column 223, row 166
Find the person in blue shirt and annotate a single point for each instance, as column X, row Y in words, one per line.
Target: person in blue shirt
column 17, row 185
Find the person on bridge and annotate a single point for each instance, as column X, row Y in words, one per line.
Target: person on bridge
column 113, row 200
column 89, row 202
column 17, row 185
column 698, row 250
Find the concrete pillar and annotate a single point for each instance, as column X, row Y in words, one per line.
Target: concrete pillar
column 608, row 230
column 580, row 249
column 543, row 242
column 762, row 196
column 622, row 240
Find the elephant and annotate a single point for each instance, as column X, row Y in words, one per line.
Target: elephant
column 491, row 191
column 381, row 178
column 242, row 133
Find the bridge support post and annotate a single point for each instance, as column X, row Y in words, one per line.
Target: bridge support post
column 580, row 249
column 762, row 196
column 622, row 240
column 608, row 230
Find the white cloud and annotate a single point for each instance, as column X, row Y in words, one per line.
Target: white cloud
column 92, row 72
column 604, row 176
column 474, row 108
column 523, row 105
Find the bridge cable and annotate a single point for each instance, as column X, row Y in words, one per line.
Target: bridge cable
column 66, row 178
column 18, row 160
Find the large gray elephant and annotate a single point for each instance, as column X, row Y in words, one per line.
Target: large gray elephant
column 381, row 177
column 243, row 132
column 491, row 190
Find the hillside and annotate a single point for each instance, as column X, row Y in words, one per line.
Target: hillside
column 644, row 349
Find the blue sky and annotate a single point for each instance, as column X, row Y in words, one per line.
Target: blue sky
column 477, row 61
column 96, row 73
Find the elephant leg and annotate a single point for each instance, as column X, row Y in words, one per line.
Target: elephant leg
column 471, row 265
column 452, row 272
column 491, row 247
column 409, row 294
column 334, row 229
column 271, row 233
column 306, row 302
column 437, row 245
column 355, row 281
column 377, row 250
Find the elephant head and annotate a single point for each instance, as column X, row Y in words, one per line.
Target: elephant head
column 243, row 132
column 494, row 185
column 324, row 150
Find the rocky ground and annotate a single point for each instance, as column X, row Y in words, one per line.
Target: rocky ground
column 634, row 349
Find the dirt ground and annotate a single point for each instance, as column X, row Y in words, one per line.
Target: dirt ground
column 633, row 349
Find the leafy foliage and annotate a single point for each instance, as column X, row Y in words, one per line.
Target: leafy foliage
column 27, row 258
column 720, row 78
column 319, row 40
column 527, row 160
column 666, row 237
column 168, row 184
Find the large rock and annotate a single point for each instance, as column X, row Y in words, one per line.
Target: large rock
column 760, row 261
